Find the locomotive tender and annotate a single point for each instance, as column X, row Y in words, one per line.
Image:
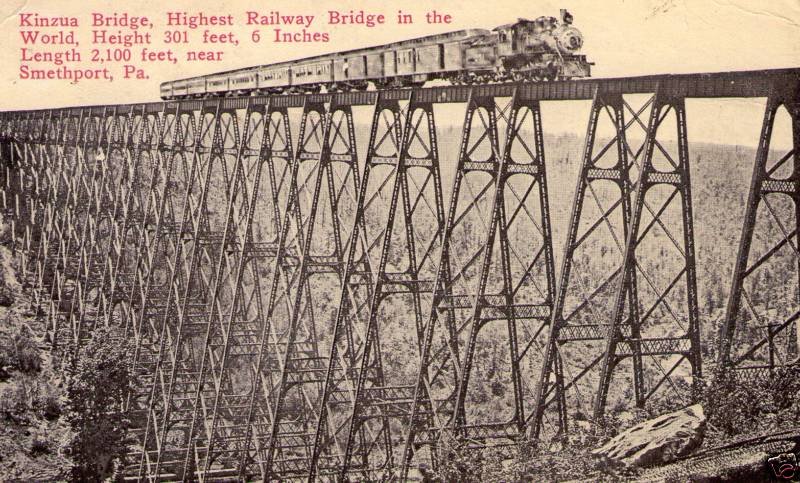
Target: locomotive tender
column 535, row 50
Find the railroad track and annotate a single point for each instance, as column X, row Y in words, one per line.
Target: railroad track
column 719, row 460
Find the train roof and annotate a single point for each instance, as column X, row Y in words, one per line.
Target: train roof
column 455, row 35
column 520, row 21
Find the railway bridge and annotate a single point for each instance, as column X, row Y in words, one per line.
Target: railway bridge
column 304, row 303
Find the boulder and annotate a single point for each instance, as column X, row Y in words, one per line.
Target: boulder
column 659, row 440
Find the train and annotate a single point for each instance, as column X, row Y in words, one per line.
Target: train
column 543, row 49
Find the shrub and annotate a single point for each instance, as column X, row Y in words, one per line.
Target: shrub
column 568, row 457
column 97, row 380
column 19, row 397
column 19, row 352
column 27, row 353
column 736, row 406
column 49, row 406
column 40, row 445
column 13, row 401
column 562, row 458
column 456, row 462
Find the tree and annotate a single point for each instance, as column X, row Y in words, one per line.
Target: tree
column 97, row 380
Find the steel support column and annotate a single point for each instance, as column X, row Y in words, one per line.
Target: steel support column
column 767, row 247
column 399, row 243
column 666, row 300
column 495, row 282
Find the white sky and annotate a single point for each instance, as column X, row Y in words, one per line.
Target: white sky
column 623, row 38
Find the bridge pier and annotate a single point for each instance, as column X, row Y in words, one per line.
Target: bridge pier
column 755, row 341
column 106, row 198
column 325, row 171
column 33, row 197
column 70, row 228
column 610, row 311
column 147, row 255
column 666, row 184
column 180, row 312
column 391, row 261
column 492, row 281
column 595, row 229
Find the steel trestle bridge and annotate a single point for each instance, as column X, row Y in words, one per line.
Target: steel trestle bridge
column 304, row 303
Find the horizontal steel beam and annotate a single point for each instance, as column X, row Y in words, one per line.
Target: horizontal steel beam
column 756, row 83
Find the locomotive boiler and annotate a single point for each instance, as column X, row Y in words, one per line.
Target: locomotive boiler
column 543, row 49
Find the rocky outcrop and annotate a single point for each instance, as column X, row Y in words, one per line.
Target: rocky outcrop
column 659, row 440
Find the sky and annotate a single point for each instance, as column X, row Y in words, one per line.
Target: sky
column 622, row 38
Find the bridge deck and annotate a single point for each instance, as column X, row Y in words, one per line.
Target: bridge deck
column 757, row 83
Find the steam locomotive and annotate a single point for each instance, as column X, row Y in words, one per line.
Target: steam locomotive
column 534, row 50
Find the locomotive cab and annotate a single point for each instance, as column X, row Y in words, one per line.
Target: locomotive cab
column 506, row 40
